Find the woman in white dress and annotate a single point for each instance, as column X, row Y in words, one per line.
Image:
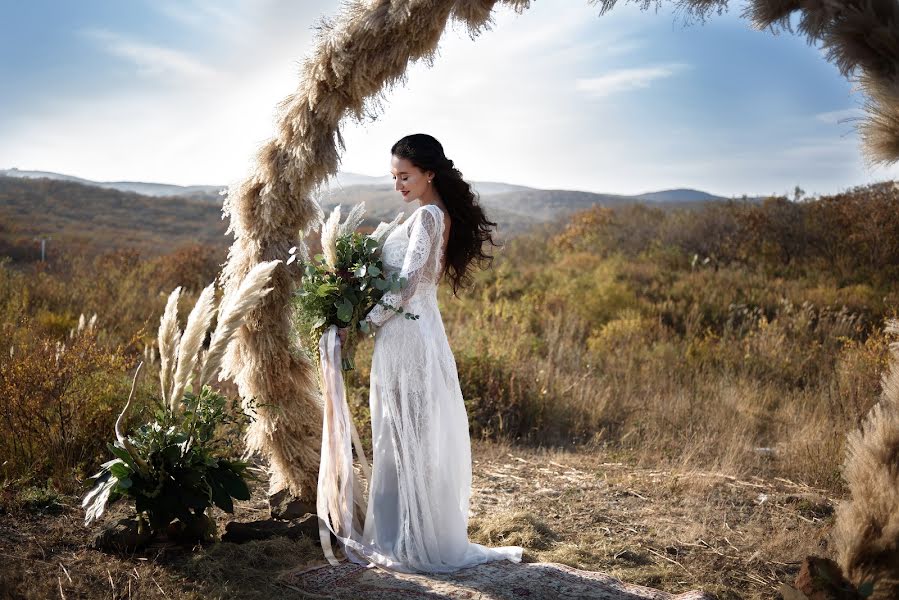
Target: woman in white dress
column 417, row 515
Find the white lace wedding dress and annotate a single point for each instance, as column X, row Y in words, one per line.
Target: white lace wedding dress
column 417, row 516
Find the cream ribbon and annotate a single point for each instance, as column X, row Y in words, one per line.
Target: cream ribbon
column 338, row 485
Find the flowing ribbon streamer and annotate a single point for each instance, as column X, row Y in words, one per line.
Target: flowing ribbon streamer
column 338, row 485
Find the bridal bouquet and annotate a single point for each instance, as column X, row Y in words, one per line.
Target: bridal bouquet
column 340, row 285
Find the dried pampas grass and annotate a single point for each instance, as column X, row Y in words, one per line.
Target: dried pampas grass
column 330, row 231
column 180, row 353
column 866, row 531
column 194, row 333
column 168, row 338
column 357, row 56
column 383, row 230
column 232, row 313
column 357, row 213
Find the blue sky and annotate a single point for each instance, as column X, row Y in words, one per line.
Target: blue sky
column 557, row 97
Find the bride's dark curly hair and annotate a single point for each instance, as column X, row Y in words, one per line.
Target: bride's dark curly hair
column 470, row 227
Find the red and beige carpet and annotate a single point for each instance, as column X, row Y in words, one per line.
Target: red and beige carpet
column 499, row 580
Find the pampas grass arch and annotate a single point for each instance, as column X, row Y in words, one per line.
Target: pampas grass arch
column 367, row 50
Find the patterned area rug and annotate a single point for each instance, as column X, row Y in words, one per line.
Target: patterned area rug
column 500, row 580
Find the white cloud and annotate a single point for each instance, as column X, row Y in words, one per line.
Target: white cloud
column 202, row 14
column 626, row 80
column 838, row 116
column 503, row 104
column 150, row 59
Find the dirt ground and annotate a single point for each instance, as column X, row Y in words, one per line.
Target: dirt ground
column 671, row 530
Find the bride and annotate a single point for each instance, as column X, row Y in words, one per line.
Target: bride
column 417, row 515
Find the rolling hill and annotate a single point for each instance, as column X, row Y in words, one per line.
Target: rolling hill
column 155, row 218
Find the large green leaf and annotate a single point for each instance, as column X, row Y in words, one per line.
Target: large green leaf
column 122, row 454
column 234, row 483
column 120, row 470
column 103, row 482
column 344, row 310
column 325, row 289
column 220, row 495
column 95, row 500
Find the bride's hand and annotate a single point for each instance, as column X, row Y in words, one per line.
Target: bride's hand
column 341, row 333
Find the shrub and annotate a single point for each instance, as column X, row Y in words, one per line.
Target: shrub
column 56, row 396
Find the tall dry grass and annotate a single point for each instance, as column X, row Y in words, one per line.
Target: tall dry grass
column 55, row 396
column 63, row 375
column 759, row 362
column 750, row 363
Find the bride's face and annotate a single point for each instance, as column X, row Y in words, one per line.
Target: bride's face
column 408, row 179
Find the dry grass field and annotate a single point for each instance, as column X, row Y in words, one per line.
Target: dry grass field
column 672, row 529
column 661, row 395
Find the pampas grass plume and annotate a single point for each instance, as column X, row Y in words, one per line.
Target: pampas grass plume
column 866, row 529
column 169, row 337
column 353, row 219
column 232, row 312
column 329, row 237
column 194, row 333
column 383, row 230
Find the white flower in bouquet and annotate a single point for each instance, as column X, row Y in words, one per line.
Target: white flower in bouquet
column 330, row 231
column 353, row 220
column 384, row 229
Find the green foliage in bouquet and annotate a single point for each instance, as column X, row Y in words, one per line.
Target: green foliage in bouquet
column 341, row 285
column 184, row 460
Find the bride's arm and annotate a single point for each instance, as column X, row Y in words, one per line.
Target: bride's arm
column 421, row 240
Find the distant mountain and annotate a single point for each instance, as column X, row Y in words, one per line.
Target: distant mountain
column 347, row 179
column 41, row 202
column 84, row 217
column 200, row 192
column 486, row 188
column 344, row 180
column 213, row 192
column 42, row 175
column 679, row 195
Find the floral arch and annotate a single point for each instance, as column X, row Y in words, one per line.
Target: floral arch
column 367, row 50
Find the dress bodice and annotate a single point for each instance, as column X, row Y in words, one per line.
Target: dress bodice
column 413, row 250
column 397, row 244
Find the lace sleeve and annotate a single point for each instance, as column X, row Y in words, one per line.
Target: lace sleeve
column 421, row 240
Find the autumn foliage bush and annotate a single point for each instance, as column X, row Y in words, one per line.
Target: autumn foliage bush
column 61, row 384
column 58, row 401
column 742, row 335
